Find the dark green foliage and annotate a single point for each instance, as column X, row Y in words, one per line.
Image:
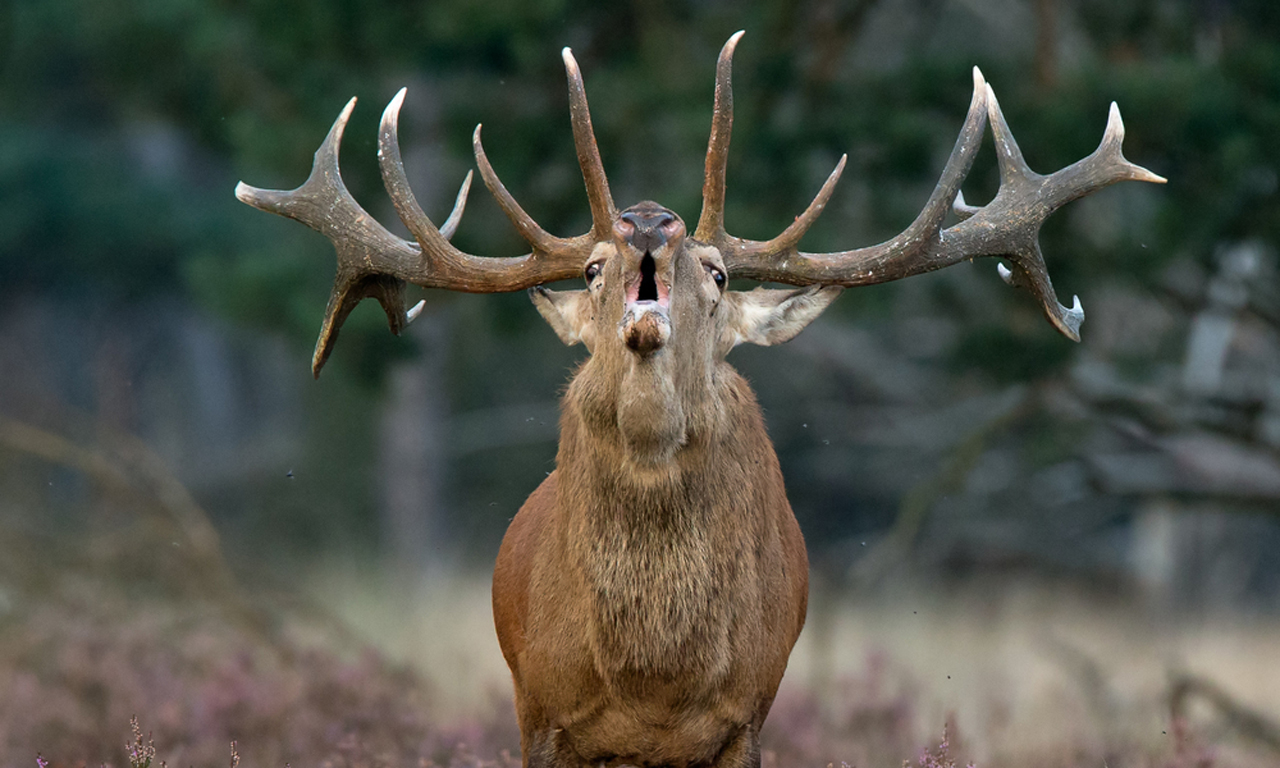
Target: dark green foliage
column 1007, row 356
column 125, row 124
column 90, row 88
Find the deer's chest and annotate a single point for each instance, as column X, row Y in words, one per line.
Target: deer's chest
column 665, row 598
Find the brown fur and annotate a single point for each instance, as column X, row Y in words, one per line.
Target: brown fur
column 648, row 593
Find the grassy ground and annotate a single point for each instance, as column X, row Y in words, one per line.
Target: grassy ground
column 344, row 665
column 1026, row 673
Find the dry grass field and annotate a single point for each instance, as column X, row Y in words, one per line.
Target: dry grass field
column 1024, row 673
column 342, row 664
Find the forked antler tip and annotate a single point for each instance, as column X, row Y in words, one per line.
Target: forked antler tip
column 1008, row 155
column 979, row 82
column 1066, row 320
column 1113, row 137
column 1070, row 320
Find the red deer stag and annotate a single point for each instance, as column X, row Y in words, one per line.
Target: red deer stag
column 648, row 593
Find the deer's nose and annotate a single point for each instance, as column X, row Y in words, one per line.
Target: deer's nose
column 646, row 232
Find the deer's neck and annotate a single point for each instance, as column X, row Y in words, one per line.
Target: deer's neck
column 658, row 536
column 649, row 410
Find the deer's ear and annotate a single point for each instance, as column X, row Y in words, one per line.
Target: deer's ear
column 569, row 313
column 767, row 316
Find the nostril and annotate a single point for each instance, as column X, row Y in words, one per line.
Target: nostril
column 648, row 285
column 646, row 230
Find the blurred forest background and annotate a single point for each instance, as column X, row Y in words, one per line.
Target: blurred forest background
column 177, row 494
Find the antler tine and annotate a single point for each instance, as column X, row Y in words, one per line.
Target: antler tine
column 1013, row 167
column 1031, row 197
column 442, row 265
column 784, row 264
column 603, row 211
column 548, row 251
column 324, row 204
column 325, row 179
column 1008, row 226
column 1106, row 165
column 790, row 237
column 450, row 225
column 372, row 262
column 396, row 180
column 711, row 221
column 539, row 238
column 447, row 229
column 961, row 209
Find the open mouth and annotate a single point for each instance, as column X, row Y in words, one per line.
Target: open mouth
column 648, row 288
column 648, row 285
column 645, row 326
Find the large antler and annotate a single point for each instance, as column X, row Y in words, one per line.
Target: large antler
column 372, row 262
column 1008, row 226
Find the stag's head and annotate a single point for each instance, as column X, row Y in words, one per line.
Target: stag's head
column 652, row 289
column 655, row 296
column 656, row 299
column 658, row 316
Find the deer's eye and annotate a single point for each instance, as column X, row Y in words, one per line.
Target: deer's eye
column 591, row 271
column 717, row 275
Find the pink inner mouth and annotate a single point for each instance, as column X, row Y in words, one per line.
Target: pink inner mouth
column 647, row 287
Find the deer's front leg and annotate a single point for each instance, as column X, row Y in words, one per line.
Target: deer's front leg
column 546, row 747
column 743, row 751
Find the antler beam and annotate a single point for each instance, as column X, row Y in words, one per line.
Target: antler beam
column 373, row 262
column 1008, row 226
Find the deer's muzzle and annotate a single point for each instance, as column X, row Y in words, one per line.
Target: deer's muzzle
column 645, row 327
